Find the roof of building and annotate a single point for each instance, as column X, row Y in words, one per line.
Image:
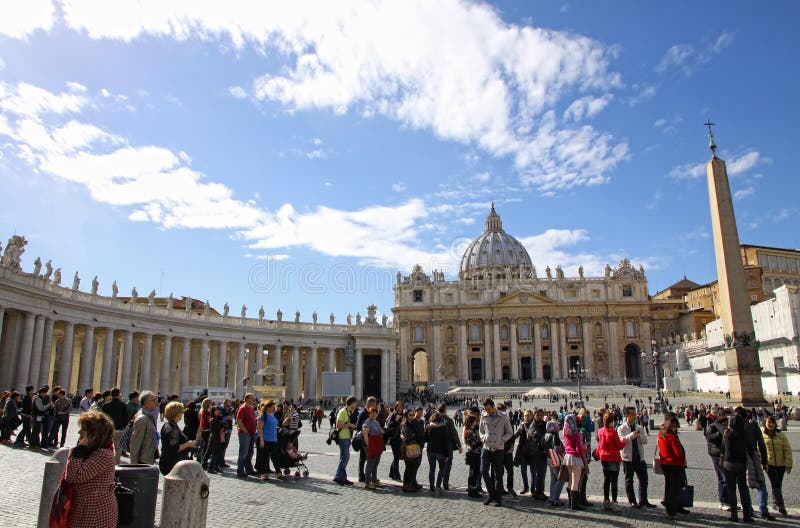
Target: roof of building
column 789, row 250
column 683, row 284
column 494, row 248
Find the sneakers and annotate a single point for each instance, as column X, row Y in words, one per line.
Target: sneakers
column 724, row 507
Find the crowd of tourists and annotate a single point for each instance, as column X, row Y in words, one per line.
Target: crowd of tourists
column 547, row 450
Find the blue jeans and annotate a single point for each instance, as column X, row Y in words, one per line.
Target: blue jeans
column 433, row 459
column 556, row 485
column 344, row 458
column 722, row 486
column 244, row 463
column 448, row 465
column 763, row 498
column 493, row 460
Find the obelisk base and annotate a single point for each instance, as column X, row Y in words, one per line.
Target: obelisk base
column 744, row 376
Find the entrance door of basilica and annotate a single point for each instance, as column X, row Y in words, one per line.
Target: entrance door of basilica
column 372, row 376
column 476, row 369
column 526, row 369
column 547, row 373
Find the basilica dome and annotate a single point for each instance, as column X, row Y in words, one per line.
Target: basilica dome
column 494, row 252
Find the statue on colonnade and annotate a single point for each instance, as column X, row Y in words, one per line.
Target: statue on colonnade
column 37, row 266
column 114, row 290
column 76, row 281
column 57, row 277
column 48, row 267
column 95, row 285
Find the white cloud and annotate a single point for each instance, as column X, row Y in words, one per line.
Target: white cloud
column 237, row 92
column 19, row 19
column 724, row 40
column 548, row 249
column 784, row 214
column 660, row 123
column 744, row 193
column 687, row 58
column 268, row 256
column 398, row 187
column 739, row 164
column 316, row 154
column 586, row 107
column 668, row 126
column 482, row 177
column 676, row 55
column 487, row 84
column 2, row 64
column 328, row 184
column 643, row 92
column 465, row 220
column 736, row 165
column 32, row 101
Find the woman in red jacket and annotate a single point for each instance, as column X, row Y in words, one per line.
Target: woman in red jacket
column 609, row 445
column 673, row 462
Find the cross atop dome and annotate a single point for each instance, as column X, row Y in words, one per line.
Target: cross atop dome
column 493, row 222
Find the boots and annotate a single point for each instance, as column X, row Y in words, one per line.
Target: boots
column 582, row 493
column 574, row 500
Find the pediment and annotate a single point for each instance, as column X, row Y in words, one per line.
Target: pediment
column 523, row 298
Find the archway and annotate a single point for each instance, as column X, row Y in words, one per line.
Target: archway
column 506, row 373
column 476, row 369
column 420, row 361
column 547, row 373
column 633, row 362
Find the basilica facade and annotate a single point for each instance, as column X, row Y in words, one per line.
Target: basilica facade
column 502, row 322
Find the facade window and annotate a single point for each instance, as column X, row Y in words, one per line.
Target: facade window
column 543, row 293
column 504, row 333
column 524, row 331
column 417, row 295
column 598, row 330
column 627, row 290
column 595, row 294
column 572, row 330
column 448, row 297
column 450, row 334
column 753, row 298
column 419, row 334
column 473, row 296
column 571, row 293
column 475, row 332
column 630, row 329
column 545, row 331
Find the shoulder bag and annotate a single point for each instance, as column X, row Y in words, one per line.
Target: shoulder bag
column 62, row 503
column 413, row 451
column 657, row 469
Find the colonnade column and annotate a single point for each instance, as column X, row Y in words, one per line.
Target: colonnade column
column 331, row 360
column 392, row 374
column 498, row 359
column 36, row 351
column 147, row 359
column 588, row 353
column 65, row 368
column 537, row 350
column 278, row 365
column 222, row 363
column 564, row 350
column 385, row 374
column 359, row 373
column 487, row 352
column 613, row 354
column 311, row 365
column 436, row 350
column 646, row 337
column 86, row 372
column 47, row 351
column 241, row 371
column 555, row 360
column 108, row 360
column 2, row 314
column 127, row 360
column 463, row 357
column 204, row 363
column 405, row 374
column 166, row 365
column 295, row 377
column 512, row 336
column 186, row 355
column 25, row 351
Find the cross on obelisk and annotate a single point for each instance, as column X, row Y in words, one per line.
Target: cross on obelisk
column 741, row 349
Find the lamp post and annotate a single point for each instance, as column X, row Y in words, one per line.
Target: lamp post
column 657, row 358
column 579, row 374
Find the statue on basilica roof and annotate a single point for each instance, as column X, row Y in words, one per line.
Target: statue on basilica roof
column 48, row 269
column 580, row 271
column 244, row 311
column 297, row 316
column 261, row 313
column 13, row 253
column 57, row 277
column 280, row 315
column 548, row 272
column 37, row 266
column 76, row 282
column 151, row 297
column 226, row 309
column 559, row 272
column 95, row 285
column 114, row 290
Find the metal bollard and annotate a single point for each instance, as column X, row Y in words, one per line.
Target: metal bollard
column 184, row 502
column 53, row 470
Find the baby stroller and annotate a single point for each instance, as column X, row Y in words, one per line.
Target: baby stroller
column 285, row 462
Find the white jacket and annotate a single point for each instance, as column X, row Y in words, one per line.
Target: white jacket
column 625, row 433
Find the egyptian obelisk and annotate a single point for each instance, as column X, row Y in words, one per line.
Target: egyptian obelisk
column 741, row 348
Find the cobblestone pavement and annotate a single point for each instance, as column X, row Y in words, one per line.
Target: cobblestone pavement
column 317, row 501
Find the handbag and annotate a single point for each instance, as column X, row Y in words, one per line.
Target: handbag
column 657, row 469
column 556, row 459
column 126, row 503
column 358, row 441
column 686, row 497
column 125, row 439
column 413, row 450
column 563, row 474
column 62, row 503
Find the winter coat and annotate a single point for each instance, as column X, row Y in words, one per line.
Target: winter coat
column 609, row 445
column 779, row 452
column 670, row 450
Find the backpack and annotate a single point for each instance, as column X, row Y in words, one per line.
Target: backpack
column 533, row 442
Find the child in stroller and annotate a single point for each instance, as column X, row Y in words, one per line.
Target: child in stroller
column 288, row 456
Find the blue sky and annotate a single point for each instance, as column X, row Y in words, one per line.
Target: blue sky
column 298, row 156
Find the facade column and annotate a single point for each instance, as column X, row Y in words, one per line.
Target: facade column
column 241, row 371
column 222, row 363
column 108, row 360
column 646, row 332
column 331, row 360
column 128, row 377
column 537, row 350
column 10, row 350
column 359, row 373
column 186, row 358
column 295, row 376
column 24, row 359
column 392, row 375
column 2, row 314
column 436, row 351
column 204, row 363
column 65, row 368
column 487, row 351
column 47, row 352
column 463, row 356
column 278, row 365
column 311, row 366
column 147, row 359
column 385, row 375
column 512, row 338
column 498, row 355
column 166, row 365
column 86, row 371
column 406, row 374
column 613, row 353
column 588, row 352
column 555, row 353
column 565, row 351
column 36, row 350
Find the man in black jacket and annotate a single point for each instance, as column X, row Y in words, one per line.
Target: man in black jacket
column 116, row 410
column 536, row 455
column 455, row 442
column 714, row 433
column 25, row 433
column 362, row 417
